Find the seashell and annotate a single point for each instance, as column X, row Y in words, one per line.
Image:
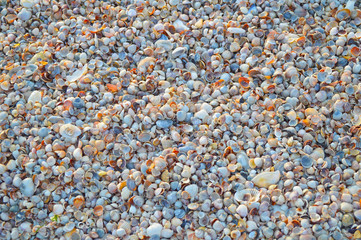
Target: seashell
column 28, row 3
column 35, row 97
column 355, row 51
column 179, row 26
column 145, row 63
column 78, row 74
column 98, row 210
column 10, row 18
column 244, row 82
column 69, row 131
column 266, row 179
column 343, row 14
column 144, row 137
column 306, row 161
column 193, row 206
column 247, row 195
column 138, row 201
column 5, row 85
column 78, row 201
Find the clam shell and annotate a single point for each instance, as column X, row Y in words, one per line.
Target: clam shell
column 266, row 179
column 247, row 195
column 343, row 14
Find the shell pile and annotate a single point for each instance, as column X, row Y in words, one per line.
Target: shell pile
column 178, row 119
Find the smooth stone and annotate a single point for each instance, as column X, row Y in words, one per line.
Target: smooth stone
column 78, row 103
column 154, row 230
column 27, row 187
column 164, row 123
column 192, row 190
column 266, row 179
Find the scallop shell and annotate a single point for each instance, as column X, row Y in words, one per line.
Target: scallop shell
column 69, row 131
column 247, row 195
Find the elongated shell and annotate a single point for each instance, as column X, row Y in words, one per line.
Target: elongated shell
column 78, row 74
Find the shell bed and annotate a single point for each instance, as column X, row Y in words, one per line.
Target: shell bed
column 180, row 119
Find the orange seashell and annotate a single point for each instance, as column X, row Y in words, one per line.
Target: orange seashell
column 151, row 12
column 112, row 88
column 68, row 104
column 301, row 41
column 244, row 82
column 355, row 51
column 122, row 185
column 253, row 72
column 98, row 210
column 78, row 201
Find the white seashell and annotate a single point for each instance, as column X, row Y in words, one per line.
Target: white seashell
column 266, row 179
column 242, row 210
column 58, row 209
column 28, row 3
column 78, row 74
column 35, row 97
column 236, row 30
column 70, row 131
column 27, row 187
column 247, row 195
column 154, row 230
column 24, row 14
column 179, row 26
column 165, row 44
